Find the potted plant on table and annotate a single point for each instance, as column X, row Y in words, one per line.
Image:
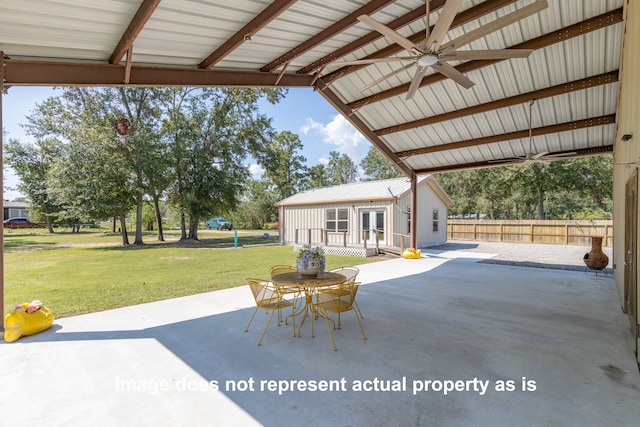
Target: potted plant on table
column 310, row 261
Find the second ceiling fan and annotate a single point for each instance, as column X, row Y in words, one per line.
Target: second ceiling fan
column 432, row 53
column 530, row 157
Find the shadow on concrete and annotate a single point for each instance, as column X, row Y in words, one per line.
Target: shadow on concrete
column 557, row 266
column 558, row 334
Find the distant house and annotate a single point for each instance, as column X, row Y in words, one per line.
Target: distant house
column 15, row 209
column 356, row 214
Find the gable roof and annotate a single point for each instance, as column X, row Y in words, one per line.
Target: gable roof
column 385, row 189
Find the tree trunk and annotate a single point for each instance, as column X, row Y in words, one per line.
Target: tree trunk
column 156, row 207
column 193, row 229
column 123, row 227
column 540, row 204
column 50, row 225
column 183, row 221
column 113, row 228
column 139, row 200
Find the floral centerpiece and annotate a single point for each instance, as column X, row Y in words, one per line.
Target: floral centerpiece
column 310, row 261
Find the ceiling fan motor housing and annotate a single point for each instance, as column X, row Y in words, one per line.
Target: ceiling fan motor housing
column 427, row 60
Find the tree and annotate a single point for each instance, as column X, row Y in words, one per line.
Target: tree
column 142, row 147
column 376, row 166
column 318, row 176
column 341, row 169
column 91, row 178
column 568, row 189
column 257, row 207
column 32, row 163
column 284, row 168
column 210, row 133
column 463, row 188
column 91, row 190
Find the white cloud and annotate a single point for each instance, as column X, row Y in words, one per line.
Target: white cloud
column 256, row 170
column 340, row 133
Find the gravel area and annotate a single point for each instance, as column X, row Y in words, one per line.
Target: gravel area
column 562, row 257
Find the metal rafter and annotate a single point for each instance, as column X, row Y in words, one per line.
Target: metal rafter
column 557, row 36
column 461, row 19
column 510, row 136
column 522, row 98
column 135, row 26
column 346, row 22
column 582, row 152
column 270, row 13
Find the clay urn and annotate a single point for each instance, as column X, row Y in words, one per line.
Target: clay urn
column 596, row 259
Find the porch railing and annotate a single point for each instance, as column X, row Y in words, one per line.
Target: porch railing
column 404, row 238
column 322, row 236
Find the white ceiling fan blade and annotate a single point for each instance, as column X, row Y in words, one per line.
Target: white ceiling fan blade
column 440, row 29
column 455, row 75
column 467, row 55
column 385, row 77
column 496, row 25
column 386, row 31
column 376, row 60
column 539, row 155
column 415, row 83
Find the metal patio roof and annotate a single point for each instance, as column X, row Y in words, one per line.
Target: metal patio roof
column 572, row 73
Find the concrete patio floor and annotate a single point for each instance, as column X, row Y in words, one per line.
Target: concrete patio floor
column 560, row 335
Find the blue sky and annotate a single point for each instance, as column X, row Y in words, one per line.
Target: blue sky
column 304, row 112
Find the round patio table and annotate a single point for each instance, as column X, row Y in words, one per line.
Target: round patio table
column 309, row 285
column 295, row 279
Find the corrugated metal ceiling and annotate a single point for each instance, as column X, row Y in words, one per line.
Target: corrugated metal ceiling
column 571, row 74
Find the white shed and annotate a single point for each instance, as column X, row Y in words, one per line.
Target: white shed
column 355, row 215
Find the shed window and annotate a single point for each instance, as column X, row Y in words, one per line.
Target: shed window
column 435, row 220
column 337, row 219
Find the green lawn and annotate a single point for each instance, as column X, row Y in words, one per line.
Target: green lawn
column 91, row 271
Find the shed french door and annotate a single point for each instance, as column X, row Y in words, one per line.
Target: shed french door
column 372, row 221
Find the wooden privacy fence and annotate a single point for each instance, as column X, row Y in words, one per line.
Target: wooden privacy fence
column 531, row 231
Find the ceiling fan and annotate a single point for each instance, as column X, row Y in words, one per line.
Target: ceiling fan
column 432, row 53
column 531, row 157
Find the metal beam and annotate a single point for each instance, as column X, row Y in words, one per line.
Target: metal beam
column 413, row 219
column 558, row 36
column 44, row 73
column 337, row 103
column 135, row 26
column 561, row 127
column 589, row 82
column 324, row 35
column 270, row 13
